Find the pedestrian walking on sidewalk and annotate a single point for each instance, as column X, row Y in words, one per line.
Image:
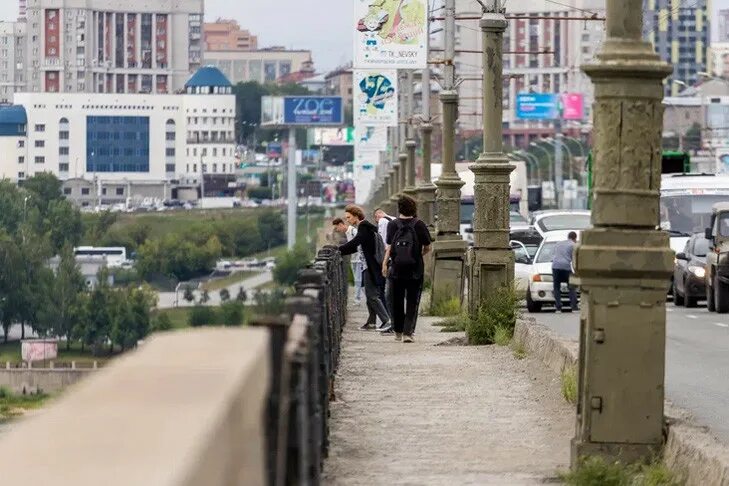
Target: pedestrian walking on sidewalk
column 408, row 240
column 349, row 233
column 382, row 219
column 372, row 254
column 562, row 269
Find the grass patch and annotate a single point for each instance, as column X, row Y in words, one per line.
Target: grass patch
column 496, row 315
column 179, row 317
column 596, row 471
column 446, row 307
column 455, row 323
column 83, row 358
column 230, row 280
column 519, row 351
column 569, row 384
column 13, row 405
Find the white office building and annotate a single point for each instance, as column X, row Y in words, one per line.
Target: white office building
column 112, row 46
column 115, row 144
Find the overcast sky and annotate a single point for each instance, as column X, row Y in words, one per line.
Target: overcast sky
column 323, row 26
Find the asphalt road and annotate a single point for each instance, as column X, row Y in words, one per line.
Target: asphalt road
column 697, row 361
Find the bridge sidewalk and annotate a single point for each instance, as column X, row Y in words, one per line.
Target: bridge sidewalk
column 422, row 414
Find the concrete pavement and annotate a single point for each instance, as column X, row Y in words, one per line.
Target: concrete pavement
column 697, row 361
column 422, row 413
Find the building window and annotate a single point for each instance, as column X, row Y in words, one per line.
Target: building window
column 85, row 191
column 62, row 150
column 170, row 136
column 40, row 160
column 21, row 143
column 63, row 167
column 215, row 152
column 40, row 128
column 215, row 168
column 21, row 175
column 67, row 191
column 119, row 191
column 170, row 152
column 171, row 168
column 40, row 143
column 103, row 191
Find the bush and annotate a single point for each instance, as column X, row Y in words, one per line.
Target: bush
column 259, row 192
column 569, row 384
column 224, row 295
column 161, row 322
column 201, row 316
column 270, row 303
column 242, row 295
column 231, row 314
column 596, row 471
column 446, row 307
column 287, row 266
column 498, row 310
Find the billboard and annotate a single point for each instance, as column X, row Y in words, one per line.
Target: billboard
column 390, row 34
column 364, row 174
column 537, row 106
column 375, row 98
column 301, row 110
column 573, row 106
column 313, row 110
column 333, row 136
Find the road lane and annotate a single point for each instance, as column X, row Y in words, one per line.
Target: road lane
column 697, row 361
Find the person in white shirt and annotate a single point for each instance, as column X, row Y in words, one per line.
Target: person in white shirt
column 356, row 259
column 382, row 219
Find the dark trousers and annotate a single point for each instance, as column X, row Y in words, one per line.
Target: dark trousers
column 559, row 276
column 374, row 293
column 405, row 300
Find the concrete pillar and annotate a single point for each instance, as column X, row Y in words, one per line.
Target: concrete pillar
column 426, row 189
column 403, row 159
column 410, row 188
column 399, row 169
column 492, row 260
column 624, row 264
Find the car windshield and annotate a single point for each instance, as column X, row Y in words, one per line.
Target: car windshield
column 546, row 255
column 561, row 222
column 466, row 212
column 701, row 248
column 688, row 214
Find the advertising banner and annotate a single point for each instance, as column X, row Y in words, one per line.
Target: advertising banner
column 364, row 174
column 333, row 136
column 272, row 111
column 375, row 98
column 370, row 139
column 573, row 106
column 537, row 106
column 390, row 34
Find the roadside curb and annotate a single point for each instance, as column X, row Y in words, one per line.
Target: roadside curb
column 691, row 451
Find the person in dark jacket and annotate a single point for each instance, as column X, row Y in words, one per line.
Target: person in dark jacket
column 371, row 275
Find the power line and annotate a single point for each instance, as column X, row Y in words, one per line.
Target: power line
column 572, row 7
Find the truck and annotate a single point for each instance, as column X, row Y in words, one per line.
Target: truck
column 518, row 193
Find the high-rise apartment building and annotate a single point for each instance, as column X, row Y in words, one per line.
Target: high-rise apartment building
column 680, row 32
column 542, row 54
column 121, row 46
column 12, row 60
column 723, row 23
column 226, row 35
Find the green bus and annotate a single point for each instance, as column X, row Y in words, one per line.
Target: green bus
column 672, row 162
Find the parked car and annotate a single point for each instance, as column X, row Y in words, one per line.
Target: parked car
column 540, row 287
column 689, row 273
column 561, row 220
column 717, row 260
column 517, row 221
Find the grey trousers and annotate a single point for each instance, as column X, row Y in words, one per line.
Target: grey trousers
column 373, row 294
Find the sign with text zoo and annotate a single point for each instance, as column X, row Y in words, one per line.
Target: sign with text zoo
column 302, row 110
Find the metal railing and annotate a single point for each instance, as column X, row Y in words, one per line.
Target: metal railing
column 305, row 349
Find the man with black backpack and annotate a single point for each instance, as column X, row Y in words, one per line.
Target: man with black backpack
column 373, row 250
column 408, row 240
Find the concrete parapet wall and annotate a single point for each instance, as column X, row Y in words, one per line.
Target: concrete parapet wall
column 184, row 409
column 47, row 380
column 691, row 451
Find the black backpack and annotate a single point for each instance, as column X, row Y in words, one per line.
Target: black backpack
column 403, row 251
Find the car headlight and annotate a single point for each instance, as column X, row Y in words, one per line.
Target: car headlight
column 700, row 272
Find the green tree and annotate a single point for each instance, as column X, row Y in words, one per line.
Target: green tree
column 99, row 312
column 44, row 188
column 272, row 229
column 692, row 138
column 11, row 282
column 242, row 295
column 204, row 297
column 224, row 295
column 11, row 207
column 201, row 315
column 231, row 313
column 62, row 307
column 64, row 224
column 188, row 295
column 288, row 265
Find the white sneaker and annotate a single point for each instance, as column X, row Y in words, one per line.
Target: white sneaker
column 408, row 339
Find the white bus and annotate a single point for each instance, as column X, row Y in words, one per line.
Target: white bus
column 686, row 201
column 116, row 256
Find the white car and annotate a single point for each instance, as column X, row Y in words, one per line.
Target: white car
column 540, row 286
column 561, row 220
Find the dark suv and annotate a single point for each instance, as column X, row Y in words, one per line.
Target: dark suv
column 689, row 274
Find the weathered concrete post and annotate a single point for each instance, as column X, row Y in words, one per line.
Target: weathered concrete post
column 449, row 248
column 426, row 189
column 624, row 264
column 410, row 189
column 491, row 259
column 410, row 143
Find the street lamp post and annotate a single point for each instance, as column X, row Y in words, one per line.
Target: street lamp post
column 530, row 159
column 623, row 264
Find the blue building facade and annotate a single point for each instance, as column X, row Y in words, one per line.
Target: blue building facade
column 117, row 144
